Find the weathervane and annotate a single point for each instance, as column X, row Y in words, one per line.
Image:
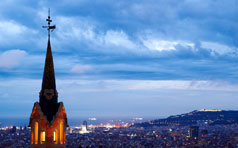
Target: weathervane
column 49, row 27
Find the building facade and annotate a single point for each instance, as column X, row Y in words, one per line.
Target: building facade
column 194, row 131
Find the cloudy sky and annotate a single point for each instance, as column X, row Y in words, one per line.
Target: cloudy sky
column 121, row 58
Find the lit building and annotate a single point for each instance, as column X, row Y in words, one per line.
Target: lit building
column 210, row 110
column 84, row 128
column 13, row 129
column 204, row 133
column 85, row 124
column 193, row 131
column 48, row 119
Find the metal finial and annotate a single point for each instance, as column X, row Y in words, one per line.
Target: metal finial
column 49, row 27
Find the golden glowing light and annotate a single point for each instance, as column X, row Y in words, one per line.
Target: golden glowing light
column 61, row 132
column 36, row 132
column 42, row 137
column 210, row 110
column 32, row 136
column 54, row 136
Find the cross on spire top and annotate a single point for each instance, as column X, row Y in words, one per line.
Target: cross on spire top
column 49, row 27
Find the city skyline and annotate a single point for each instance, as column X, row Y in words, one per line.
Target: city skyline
column 150, row 58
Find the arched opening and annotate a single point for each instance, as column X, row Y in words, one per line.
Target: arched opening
column 42, row 137
column 55, row 136
column 36, row 132
column 61, row 131
column 32, row 135
column 64, row 136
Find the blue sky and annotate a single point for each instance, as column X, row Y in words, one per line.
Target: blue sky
column 121, row 58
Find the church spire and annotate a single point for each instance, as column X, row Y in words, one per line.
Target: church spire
column 48, row 93
column 49, row 74
column 48, row 119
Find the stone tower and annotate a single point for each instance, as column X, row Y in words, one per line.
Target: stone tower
column 48, row 119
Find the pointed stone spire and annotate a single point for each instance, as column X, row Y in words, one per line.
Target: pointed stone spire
column 49, row 74
column 48, row 94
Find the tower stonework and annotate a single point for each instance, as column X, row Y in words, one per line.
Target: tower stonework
column 48, row 119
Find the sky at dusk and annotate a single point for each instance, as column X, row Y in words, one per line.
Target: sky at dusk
column 121, row 58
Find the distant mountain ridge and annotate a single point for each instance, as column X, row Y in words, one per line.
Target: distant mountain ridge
column 210, row 117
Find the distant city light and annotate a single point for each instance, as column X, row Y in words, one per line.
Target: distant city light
column 210, row 110
column 137, row 118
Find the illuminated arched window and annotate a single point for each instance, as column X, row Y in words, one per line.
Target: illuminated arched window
column 61, row 131
column 36, row 132
column 55, row 136
column 64, row 136
column 42, row 137
column 32, row 134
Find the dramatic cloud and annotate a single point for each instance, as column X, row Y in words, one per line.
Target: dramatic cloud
column 11, row 58
column 14, row 32
column 143, row 53
column 11, row 28
column 81, row 31
column 161, row 45
column 80, row 68
column 217, row 48
column 118, row 39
